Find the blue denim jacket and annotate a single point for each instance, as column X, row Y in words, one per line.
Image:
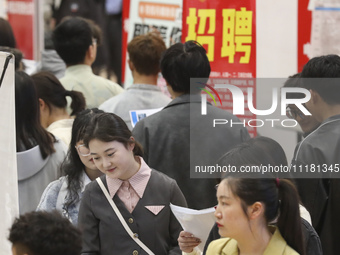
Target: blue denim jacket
column 55, row 197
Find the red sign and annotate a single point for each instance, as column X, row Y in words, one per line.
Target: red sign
column 226, row 29
column 304, row 31
column 126, row 13
column 20, row 16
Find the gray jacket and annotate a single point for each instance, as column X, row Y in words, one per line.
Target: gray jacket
column 321, row 194
column 104, row 234
column 178, row 139
column 35, row 173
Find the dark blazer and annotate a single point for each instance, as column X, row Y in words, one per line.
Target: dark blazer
column 104, row 234
column 321, row 194
column 178, row 139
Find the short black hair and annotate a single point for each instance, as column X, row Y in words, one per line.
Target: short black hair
column 71, row 39
column 323, row 68
column 44, row 233
column 293, row 81
column 183, row 61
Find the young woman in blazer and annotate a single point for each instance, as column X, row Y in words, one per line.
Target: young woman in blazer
column 142, row 195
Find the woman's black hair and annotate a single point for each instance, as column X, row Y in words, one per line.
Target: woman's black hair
column 280, row 196
column 53, row 93
column 281, row 200
column 259, row 150
column 6, row 34
column 72, row 167
column 108, row 127
column 29, row 131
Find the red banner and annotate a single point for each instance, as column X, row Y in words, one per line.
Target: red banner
column 304, row 31
column 126, row 13
column 226, row 29
column 20, row 16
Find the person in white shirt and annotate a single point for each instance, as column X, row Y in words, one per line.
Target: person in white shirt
column 75, row 40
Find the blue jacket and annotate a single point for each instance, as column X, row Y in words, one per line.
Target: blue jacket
column 55, row 197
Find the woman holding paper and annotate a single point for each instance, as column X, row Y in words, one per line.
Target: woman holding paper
column 246, row 206
column 256, row 151
column 127, row 210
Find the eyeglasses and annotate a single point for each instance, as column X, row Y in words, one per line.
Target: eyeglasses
column 292, row 114
column 83, row 150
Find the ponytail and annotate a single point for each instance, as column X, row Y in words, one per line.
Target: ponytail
column 289, row 221
column 78, row 101
column 280, row 198
column 54, row 94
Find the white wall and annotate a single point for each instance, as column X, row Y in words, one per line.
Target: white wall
column 3, row 8
column 276, row 45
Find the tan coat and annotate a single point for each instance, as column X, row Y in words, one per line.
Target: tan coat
column 227, row 246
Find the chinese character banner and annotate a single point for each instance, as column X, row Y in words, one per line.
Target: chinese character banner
column 226, row 29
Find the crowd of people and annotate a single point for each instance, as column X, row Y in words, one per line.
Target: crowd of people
column 91, row 183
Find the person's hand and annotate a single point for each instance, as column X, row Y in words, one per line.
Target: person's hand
column 187, row 241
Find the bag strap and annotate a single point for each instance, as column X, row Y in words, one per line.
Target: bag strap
column 120, row 217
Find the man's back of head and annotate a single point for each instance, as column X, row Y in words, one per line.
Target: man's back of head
column 145, row 52
column 327, row 66
column 41, row 233
column 183, row 61
column 72, row 38
column 324, row 68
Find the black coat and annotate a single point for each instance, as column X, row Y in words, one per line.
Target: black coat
column 321, row 194
column 178, row 139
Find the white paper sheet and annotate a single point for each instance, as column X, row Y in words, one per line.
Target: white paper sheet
column 197, row 222
column 137, row 115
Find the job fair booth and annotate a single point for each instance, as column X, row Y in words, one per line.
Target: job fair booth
column 252, row 45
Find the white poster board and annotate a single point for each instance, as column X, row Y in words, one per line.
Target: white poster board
column 325, row 35
column 9, row 208
column 147, row 15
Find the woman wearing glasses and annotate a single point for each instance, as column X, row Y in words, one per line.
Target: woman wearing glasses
column 65, row 194
column 308, row 123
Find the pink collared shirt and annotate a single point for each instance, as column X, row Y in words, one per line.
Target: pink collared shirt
column 130, row 191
